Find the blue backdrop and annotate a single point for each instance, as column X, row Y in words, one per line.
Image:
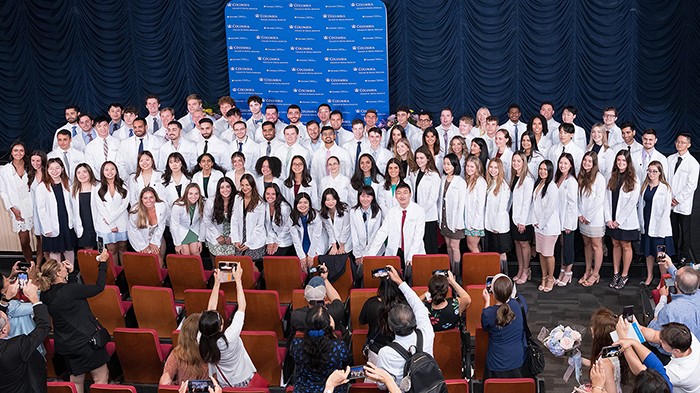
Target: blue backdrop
column 639, row 55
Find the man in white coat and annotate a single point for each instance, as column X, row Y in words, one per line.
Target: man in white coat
column 212, row 144
column 290, row 148
column 130, row 148
column 683, row 171
column 69, row 155
column 329, row 149
column 104, row 148
column 409, row 218
column 648, row 154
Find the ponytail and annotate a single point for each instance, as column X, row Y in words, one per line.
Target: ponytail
column 504, row 315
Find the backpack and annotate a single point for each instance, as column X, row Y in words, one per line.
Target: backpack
column 421, row 372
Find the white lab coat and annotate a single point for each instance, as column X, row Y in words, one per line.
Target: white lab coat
column 15, row 192
column 212, row 228
column 338, row 230
column 522, row 202
column 77, row 220
column 214, row 178
column 475, row 205
column 180, row 224
column 545, row 211
column 218, row 148
column 47, row 209
column 255, row 225
column 591, row 207
column 606, row 160
column 138, row 184
column 683, row 182
column 454, row 202
column 249, row 148
column 169, row 192
column 626, row 212
column 315, row 229
column 312, row 190
column 75, row 157
column 340, row 183
column 139, row 237
column 318, row 161
column 640, row 167
column 660, row 219
column 362, row 237
column 279, row 234
column 390, row 231
column 185, row 147
column 496, row 218
column 128, row 155
column 260, row 184
column 427, row 193
column 95, row 155
column 111, row 212
column 568, row 204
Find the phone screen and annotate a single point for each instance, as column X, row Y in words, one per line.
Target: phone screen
column 200, row 385
column 628, row 313
column 226, row 271
column 100, row 244
column 489, row 280
column 611, row 351
column 22, row 278
column 357, row 372
column 381, row 272
column 442, row 272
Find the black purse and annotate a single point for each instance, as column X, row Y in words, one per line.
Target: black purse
column 100, row 337
column 534, row 358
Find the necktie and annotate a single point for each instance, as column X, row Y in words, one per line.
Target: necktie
column 644, row 159
column 115, row 127
column 65, row 160
column 105, row 148
column 678, row 163
column 364, row 219
column 515, row 133
column 131, row 132
column 289, row 157
column 403, row 221
column 206, row 146
column 75, row 132
column 445, row 137
column 155, row 125
column 563, row 149
column 240, row 147
column 629, row 149
column 269, row 149
column 140, row 145
column 357, row 152
column 89, row 136
column 305, row 239
column 328, row 155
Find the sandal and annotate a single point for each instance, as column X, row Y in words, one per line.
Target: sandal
column 550, row 286
column 615, row 280
column 591, row 280
column 623, row 281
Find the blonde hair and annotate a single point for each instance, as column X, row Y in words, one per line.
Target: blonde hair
column 410, row 159
column 662, row 176
column 49, row 270
column 187, row 350
column 141, row 211
column 471, row 180
column 184, row 201
column 605, row 137
column 523, row 170
column 494, row 183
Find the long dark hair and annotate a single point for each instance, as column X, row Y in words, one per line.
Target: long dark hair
column 277, row 206
column 627, row 177
column 340, row 207
column 305, row 174
column 317, row 344
column 221, row 214
column 25, row 157
column 430, row 165
column 390, row 141
column 104, row 185
column 387, row 178
column 255, row 198
column 438, row 287
column 214, row 165
column 374, row 206
column 390, row 295
column 533, row 141
column 548, row 180
column 545, row 128
column 210, row 330
column 48, row 181
column 572, row 170
column 31, row 173
column 296, row 215
column 138, row 167
column 168, row 173
column 436, row 146
column 484, row 154
column 76, row 183
column 358, row 178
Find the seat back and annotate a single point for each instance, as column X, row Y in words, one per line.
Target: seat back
column 140, row 354
column 358, row 297
column 298, row 299
column 100, row 388
column 481, row 347
column 172, row 388
column 509, row 385
column 263, row 351
column 142, row 269
column 475, row 308
column 108, row 308
column 282, row 274
column 89, row 267
column 477, row 266
column 61, row 387
column 457, row 386
column 155, row 309
column 359, row 338
column 370, row 263
column 197, row 300
column 448, row 353
column 424, row 265
column 344, row 283
column 186, row 272
column 362, row 387
column 263, row 312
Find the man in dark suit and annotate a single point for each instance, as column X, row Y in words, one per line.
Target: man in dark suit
column 22, row 367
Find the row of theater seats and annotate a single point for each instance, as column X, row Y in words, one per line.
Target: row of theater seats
column 513, row 385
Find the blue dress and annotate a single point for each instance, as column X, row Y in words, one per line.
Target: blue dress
column 314, row 380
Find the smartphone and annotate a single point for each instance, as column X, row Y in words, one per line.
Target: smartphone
column 357, row 372
column 202, row 385
column 381, row 272
column 611, row 351
column 100, row 244
column 489, row 280
column 22, row 278
column 441, row 272
column 226, row 270
column 660, row 253
column 671, row 285
column 23, row 266
column 628, row 313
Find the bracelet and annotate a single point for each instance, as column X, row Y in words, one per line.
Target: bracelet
column 599, row 388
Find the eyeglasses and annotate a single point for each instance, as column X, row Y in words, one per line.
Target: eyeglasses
column 652, row 171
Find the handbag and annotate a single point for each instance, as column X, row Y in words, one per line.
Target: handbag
column 100, row 337
column 534, row 358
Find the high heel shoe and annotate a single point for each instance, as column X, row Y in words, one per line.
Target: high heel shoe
column 566, row 280
column 562, row 273
column 623, row 281
column 592, row 280
column 550, row 284
column 615, row 280
column 583, row 279
column 542, row 285
column 523, row 278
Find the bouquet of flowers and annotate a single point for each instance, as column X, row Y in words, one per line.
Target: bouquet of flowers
column 564, row 341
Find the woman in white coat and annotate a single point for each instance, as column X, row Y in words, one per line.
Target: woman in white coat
column 565, row 179
column 175, row 179
column 146, row 176
column 336, row 180
column 207, row 174
column 238, row 168
column 599, row 145
column 621, row 218
column 475, row 202
column 278, row 222
column 533, row 156
column 336, row 223
column 112, row 200
column 84, row 212
column 591, row 200
column 654, row 213
column 147, row 221
column 366, row 174
column 248, row 222
column 269, row 171
column 426, row 185
column 365, row 221
column 503, row 151
column 459, row 146
column 306, row 230
column 217, row 218
column 187, row 221
column 299, row 180
column 16, row 194
column 545, row 219
column 56, row 213
column 451, row 202
column 496, row 219
column 521, row 230
column 37, row 172
column 392, row 176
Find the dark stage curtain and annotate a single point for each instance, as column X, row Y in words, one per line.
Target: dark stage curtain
column 640, row 56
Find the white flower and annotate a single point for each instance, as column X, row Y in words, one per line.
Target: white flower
column 566, row 343
column 558, row 335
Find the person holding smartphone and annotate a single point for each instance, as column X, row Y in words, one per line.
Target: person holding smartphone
column 445, row 313
column 19, row 311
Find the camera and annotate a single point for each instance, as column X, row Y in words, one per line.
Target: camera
column 671, row 285
column 316, row 270
column 380, row 273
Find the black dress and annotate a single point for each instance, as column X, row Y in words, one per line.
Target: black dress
column 89, row 238
column 66, row 240
column 74, row 323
